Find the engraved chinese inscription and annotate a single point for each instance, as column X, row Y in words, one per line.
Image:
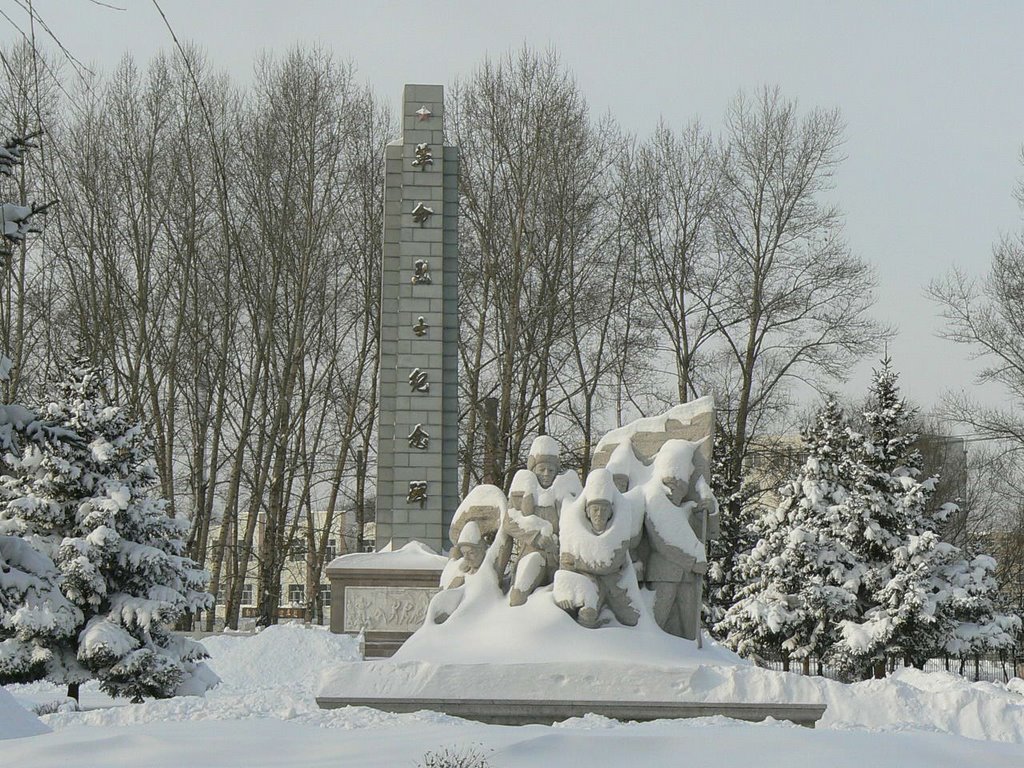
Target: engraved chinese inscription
column 417, row 492
column 420, row 213
column 418, row 380
column 419, row 438
column 424, row 157
column 421, row 272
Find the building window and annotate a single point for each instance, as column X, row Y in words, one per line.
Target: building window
column 247, row 594
column 325, row 594
column 332, row 550
column 296, row 593
column 297, row 551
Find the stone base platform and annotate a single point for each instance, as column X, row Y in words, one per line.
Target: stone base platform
column 527, row 711
column 384, row 595
column 545, row 692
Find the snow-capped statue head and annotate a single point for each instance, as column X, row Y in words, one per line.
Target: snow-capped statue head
column 673, row 466
column 623, row 464
column 522, row 494
column 543, row 460
column 471, row 546
column 485, row 504
column 600, row 491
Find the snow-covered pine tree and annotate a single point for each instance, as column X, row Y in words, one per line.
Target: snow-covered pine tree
column 119, row 554
column 34, row 614
column 738, row 509
column 800, row 581
column 919, row 595
column 972, row 595
column 936, row 599
column 886, row 507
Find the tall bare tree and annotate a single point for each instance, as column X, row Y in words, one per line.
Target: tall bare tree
column 532, row 181
column 792, row 301
column 674, row 195
column 987, row 315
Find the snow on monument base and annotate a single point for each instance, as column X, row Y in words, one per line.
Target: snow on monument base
column 566, row 598
column 534, row 664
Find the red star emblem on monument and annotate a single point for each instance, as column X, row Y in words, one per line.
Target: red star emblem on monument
column 424, row 114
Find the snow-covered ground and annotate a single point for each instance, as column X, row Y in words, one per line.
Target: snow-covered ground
column 264, row 714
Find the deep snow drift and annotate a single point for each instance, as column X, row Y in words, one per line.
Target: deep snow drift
column 16, row 721
column 264, row 714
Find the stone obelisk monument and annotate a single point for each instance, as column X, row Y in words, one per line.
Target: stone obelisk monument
column 417, row 446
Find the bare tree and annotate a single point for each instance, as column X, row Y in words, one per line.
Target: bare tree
column 29, row 292
column 987, row 315
column 792, row 302
column 534, row 182
column 220, row 253
column 671, row 208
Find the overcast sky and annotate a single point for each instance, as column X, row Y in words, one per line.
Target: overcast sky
column 931, row 93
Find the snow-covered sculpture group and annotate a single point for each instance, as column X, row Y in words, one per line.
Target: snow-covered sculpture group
column 642, row 520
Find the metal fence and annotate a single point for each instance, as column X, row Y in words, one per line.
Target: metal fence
column 993, row 667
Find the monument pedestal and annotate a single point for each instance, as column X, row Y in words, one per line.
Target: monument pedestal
column 546, row 693
column 532, row 663
column 548, row 712
column 384, row 595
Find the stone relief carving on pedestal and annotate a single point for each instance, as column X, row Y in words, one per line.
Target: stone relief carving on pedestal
column 386, row 609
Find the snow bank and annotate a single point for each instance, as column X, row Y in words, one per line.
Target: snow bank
column 272, row 674
column 285, row 655
column 934, row 701
column 16, row 721
column 402, row 740
column 911, row 720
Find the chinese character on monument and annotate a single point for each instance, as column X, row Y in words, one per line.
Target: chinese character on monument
column 424, row 157
column 418, row 381
column 421, row 273
column 419, row 438
column 420, row 213
column 417, row 492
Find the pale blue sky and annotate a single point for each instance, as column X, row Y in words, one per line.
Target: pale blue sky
column 931, row 94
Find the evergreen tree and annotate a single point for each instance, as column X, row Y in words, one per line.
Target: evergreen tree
column 800, row 581
column 93, row 506
column 34, row 613
column 919, row 595
column 738, row 507
column 972, row 595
